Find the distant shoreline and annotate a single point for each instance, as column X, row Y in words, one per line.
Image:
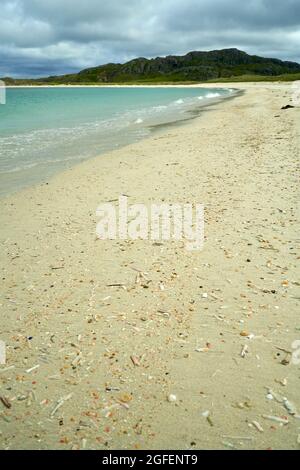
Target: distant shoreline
column 105, row 86
column 196, row 85
column 217, row 66
column 182, row 85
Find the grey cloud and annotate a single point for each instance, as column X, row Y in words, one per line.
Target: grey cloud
column 41, row 37
column 247, row 15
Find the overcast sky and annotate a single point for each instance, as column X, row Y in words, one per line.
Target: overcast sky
column 47, row 37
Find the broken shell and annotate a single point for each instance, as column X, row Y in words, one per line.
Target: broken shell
column 257, row 426
column 244, row 350
column 277, row 419
column 125, row 398
column 202, row 349
column 135, row 361
column 172, row 398
column 5, row 402
column 289, row 406
column 282, row 382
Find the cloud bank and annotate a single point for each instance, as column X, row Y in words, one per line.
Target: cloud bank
column 49, row 37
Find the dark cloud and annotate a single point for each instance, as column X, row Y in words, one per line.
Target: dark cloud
column 42, row 37
column 249, row 15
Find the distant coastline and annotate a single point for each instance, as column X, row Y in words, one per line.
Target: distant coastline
column 225, row 65
column 249, row 80
column 113, row 85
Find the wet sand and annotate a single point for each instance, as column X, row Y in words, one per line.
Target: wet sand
column 90, row 365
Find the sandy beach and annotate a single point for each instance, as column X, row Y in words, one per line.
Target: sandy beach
column 138, row 345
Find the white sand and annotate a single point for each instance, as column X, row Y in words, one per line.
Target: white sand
column 240, row 158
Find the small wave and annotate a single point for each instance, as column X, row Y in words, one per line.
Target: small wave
column 19, row 168
column 139, row 121
column 180, row 101
column 29, row 165
column 159, row 108
column 212, row 95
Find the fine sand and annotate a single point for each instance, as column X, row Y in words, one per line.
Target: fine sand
column 91, row 365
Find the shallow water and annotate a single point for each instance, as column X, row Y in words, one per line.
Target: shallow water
column 44, row 130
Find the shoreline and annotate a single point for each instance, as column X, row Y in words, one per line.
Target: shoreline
column 189, row 115
column 109, row 86
column 74, row 314
column 182, row 85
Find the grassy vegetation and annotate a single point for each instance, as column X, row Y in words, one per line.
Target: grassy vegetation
column 227, row 65
column 287, row 77
column 158, row 82
column 163, row 81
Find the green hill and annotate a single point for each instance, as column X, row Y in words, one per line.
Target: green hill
column 195, row 66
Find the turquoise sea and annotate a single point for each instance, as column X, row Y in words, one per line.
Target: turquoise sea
column 44, row 130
